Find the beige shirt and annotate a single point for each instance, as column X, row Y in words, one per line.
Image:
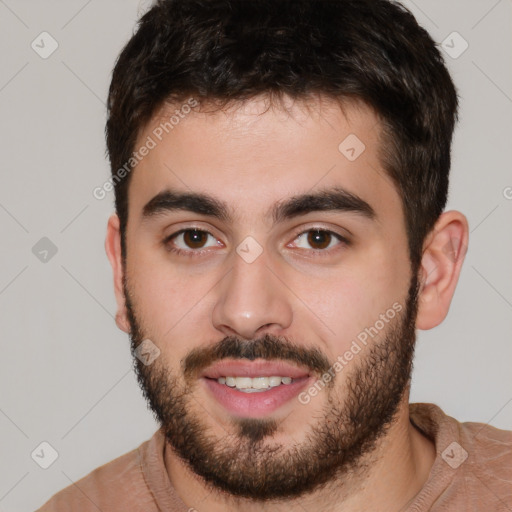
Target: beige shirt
column 472, row 472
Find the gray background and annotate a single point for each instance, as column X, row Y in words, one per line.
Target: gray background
column 65, row 373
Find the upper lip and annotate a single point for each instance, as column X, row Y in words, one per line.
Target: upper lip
column 259, row 368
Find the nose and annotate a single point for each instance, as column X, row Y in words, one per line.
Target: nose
column 252, row 300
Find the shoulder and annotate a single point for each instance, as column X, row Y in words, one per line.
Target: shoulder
column 116, row 485
column 488, row 447
column 488, row 468
column 481, row 438
column 473, row 468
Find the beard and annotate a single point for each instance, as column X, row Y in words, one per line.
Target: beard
column 245, row 464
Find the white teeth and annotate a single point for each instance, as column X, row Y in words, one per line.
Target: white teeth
column 251, row 385
column 274, row 381
column 260, row 383
column 243, row 382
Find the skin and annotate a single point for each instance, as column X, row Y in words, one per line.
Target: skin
column 252, row 157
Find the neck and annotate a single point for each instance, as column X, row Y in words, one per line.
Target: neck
column 394, row 472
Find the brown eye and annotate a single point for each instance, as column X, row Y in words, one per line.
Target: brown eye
column 194, row 238
column 319, row 239
column 190, row 241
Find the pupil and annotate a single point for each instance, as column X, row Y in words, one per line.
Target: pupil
column 194, row 238
column 321, row 239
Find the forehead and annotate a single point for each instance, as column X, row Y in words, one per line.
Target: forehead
column 253, row 154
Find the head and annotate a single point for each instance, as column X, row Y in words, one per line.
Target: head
column 304, row 147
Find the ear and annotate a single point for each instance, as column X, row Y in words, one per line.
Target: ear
column 443, row 254
column 113, row 250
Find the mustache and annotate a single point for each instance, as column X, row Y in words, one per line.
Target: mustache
column 268, row 347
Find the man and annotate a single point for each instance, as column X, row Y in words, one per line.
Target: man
column 281, row 171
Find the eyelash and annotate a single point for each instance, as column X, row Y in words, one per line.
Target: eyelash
column 194, row 253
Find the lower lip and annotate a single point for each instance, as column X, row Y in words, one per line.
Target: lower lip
column 258, row 404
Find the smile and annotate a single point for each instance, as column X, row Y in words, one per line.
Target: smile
column 254, row 384
column 254, row 389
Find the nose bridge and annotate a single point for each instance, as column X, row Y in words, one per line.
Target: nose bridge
column 251, row 298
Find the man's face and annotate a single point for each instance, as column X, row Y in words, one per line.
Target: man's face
column 320, row 286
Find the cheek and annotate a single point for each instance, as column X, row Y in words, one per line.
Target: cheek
column 169, row 300
column 352, row 299
column 343, row 307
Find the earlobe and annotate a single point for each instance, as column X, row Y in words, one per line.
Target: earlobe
column 443, row 254
column 113, row 250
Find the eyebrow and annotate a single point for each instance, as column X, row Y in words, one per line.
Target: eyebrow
column 332, row 199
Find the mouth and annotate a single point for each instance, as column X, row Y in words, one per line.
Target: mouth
column 255, row 384
column 254, row 389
